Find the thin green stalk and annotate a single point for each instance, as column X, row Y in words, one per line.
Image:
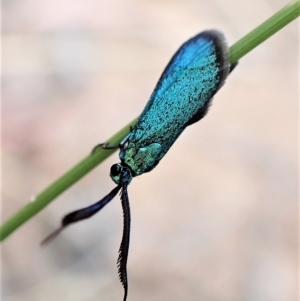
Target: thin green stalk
column 237, row 51
column 265, row 30
column 38, row 202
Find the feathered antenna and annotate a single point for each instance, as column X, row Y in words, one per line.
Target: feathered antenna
column 124, row 247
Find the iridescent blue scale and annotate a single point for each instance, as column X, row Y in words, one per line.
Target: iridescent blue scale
column 181, row 97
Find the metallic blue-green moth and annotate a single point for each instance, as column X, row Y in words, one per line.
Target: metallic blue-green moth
column 181, row 97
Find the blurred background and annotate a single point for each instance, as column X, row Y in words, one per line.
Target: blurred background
column 216, row 220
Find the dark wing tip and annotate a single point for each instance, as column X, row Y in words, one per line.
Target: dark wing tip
column 222, row 52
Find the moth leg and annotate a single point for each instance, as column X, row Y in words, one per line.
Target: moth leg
column 105, row 145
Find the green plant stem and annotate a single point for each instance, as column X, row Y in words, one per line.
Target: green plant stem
column 237, row 51
column 38, row 202
column 265, row 30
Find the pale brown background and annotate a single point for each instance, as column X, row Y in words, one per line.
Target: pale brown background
column 215, row 221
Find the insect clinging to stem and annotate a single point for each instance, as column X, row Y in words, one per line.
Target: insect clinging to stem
column 181, row 97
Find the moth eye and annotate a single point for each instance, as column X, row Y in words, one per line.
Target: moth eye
column 115, row 170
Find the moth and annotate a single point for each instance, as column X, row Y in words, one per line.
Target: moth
column 182, row 96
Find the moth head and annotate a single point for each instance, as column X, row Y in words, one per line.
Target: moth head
column 120, row 174
column 115, row 172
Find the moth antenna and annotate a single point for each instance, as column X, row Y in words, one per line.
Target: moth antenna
column 124, row 247
column 82, row 214
column 50, row 237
